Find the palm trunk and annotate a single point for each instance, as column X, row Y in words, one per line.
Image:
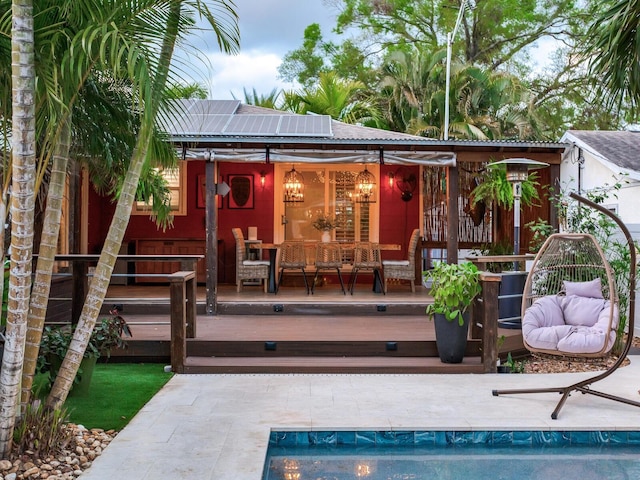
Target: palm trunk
column 22, row 210
column 46, row 257
column 102, row 276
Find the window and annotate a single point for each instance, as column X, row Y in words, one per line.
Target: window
column 328, row 191
column 176, row 181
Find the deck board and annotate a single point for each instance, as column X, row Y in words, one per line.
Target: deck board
column 329, row 333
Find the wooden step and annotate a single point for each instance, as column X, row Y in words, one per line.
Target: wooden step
column 348, row 307
column 335, row 365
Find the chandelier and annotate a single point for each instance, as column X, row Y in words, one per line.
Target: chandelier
column 365, row 191
column 293, row 186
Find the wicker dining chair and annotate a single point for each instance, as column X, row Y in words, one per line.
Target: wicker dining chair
column 403, row 269
column 328, row 257
column 292, row 257
column 366, row 256
column 248, row 269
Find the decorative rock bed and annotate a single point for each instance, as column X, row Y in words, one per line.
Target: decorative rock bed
column 85, row 446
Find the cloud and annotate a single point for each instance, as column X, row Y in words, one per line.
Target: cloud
column 268, row 30
column 254, row 69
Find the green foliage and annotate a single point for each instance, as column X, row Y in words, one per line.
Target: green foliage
column 454, row 287
column 580, row 219
column 612, row 44
column 341, row 99
column 42, row 430
column 107, row 334
column 514, row 365
column 495, row 249
column 541, row 230
column 496, row 38
column 192, row 90
column 270, row 100
column 495, row 188
column 306, row 63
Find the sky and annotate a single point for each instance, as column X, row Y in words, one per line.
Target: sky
column 268, row 30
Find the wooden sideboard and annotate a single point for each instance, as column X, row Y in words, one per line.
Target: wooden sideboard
column 168, row 247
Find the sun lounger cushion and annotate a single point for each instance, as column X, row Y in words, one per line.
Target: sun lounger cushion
column 573, row 324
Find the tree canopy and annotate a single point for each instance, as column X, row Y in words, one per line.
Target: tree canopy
column 500, row 38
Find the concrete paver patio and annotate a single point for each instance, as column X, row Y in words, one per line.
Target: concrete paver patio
column 217, row 426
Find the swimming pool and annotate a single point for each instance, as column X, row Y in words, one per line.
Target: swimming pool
column 477, row 455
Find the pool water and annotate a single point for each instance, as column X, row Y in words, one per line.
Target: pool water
column 455, row 455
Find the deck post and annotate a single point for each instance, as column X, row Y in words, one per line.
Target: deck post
column 79, row 288
column 179, row 317
column 485, row 319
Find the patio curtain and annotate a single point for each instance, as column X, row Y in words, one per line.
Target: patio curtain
column 439, row 159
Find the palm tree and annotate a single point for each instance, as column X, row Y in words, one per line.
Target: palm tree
column 484, row 103
column 53, row 130
column 343, row 100
column 22, row 208
column 413, row 83
column 136, row 33
column 612, row 45
column 271, row 100
column 150, row 81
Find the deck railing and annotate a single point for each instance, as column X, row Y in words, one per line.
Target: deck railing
column 484, row 325
column 80, row 275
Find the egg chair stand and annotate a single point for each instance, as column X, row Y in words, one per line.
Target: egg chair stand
column 584, row 386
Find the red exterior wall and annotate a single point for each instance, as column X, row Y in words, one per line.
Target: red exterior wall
column 397, row 218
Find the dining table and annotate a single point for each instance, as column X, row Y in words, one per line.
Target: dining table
column 273, row 254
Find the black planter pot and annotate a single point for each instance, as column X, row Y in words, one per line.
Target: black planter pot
column 510, row 299
column 451, row 338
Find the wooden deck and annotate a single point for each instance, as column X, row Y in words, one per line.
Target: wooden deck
column 292, row 332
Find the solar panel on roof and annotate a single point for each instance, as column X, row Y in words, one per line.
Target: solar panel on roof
column 215, row 124
column 306, row 125
column 193, row 117
column 213, row 107
column 253, row 125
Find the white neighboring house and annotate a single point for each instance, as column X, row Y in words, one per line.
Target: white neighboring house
column 599, row 158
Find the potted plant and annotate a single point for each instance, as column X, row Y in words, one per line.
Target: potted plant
column 107, row 334
column 495, row 188
column 454, row 286
column 324, row 223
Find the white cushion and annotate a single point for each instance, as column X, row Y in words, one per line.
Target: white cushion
column 396, row 263
column 582, row 311
column 252, row 263
column 592, row 289
column 569, row 324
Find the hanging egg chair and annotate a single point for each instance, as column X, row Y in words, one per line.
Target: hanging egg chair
column 569, row 303
column 571, row 280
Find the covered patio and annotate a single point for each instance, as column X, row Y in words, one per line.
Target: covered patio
column 417, row 183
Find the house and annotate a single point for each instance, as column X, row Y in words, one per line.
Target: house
column 599, row 158
column 416, row 183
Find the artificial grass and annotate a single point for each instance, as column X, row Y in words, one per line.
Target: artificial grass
column 117, row 392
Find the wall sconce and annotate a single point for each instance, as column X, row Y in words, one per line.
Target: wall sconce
column 391, row 179
column 263, row 175
column 293, row 186
column 365, row 187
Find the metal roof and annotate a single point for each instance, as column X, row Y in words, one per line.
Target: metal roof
column 227, row 124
